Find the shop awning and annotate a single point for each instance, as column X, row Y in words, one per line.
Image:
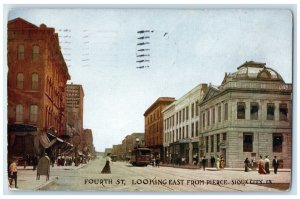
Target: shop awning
column 22, row 129
column 44, row 140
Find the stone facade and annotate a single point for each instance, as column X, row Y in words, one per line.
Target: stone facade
column 181, row 127
column 154, row 125
column 249, row 115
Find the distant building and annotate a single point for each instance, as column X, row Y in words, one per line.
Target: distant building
column 181, row 127
column 248, row 115
column 75, row 97
column 154, row 125
column 131, row 141
column 107, row 151
column 86, row 145
column 36, row 87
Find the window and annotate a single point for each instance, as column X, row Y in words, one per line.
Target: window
column 248, row 142
column 179, row 116
column 197, row 128
column 270, row 111
column 212, row 143
column 197, row 108
column 206, row 144
column 208, row 117
column 183, row 115
column 203, row 120
column 193, row 130
column 213, row 115
column 21, row 52
column 19, row 113
column 224, row 136
column 183, row 132
column 283, row 111
column 218, row 142
column 20, row 80
column 219, row 113
column 176, row 134
column 241, row 107
column 35, row 53
column 277, row 142
column 193, row 109
column 254, row 111
column 187, row 131
column 187, row 113
column 35, row 81
column 179, row 133
column 226, row 111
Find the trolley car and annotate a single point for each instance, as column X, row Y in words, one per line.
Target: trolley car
column 140, row 157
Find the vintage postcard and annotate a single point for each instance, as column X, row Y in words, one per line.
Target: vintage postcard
column 165, row 100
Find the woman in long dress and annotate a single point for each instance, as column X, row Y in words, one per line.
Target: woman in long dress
column 218, row 162
column 261, row 166
column 106, row 168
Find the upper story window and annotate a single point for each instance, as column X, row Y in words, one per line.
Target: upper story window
column 21, row 52
column 193, row 109
column 20, row 81
column 197, row 108
column 219, row 113
column 254, row 111
column 187, row 113
column 203, row 120
column 19, row 113
column 208, row 117
column 226, row 111
column 35, row 53
column 283, row 111
column 213, row 115
column 241, row 108
column 33, row 113
column 35, row 81
column 270, row 111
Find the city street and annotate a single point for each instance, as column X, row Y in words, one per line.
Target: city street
column 125, row 178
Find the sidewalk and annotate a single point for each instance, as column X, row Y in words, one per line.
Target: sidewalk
column 27, row 178
column 187, row 166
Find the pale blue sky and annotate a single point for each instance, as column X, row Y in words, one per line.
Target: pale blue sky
column 201, row 45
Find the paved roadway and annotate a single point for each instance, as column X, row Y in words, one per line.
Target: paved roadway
column 126, row 178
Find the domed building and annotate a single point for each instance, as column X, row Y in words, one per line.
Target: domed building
column 248, row 115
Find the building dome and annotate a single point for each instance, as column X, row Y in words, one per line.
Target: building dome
column 256, row 71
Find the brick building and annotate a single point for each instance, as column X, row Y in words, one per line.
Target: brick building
column 36, row 87
column 154, row 125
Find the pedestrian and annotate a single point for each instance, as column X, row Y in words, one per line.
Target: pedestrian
column 246, row 162
column 261, row 166
column 267, row 165
column 106, row 168
column 218, row 162
column 34, row 162
column 222, row 163
column 154, row 162
column 275, row 164
column 212, row 161
column 203, row 163
column 13, row 172
column 157, row 162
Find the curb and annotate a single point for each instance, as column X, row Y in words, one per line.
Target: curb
column 46, row 185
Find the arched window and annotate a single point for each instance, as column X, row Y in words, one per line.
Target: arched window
column 21, row 51
column 35, row 81
column 19, row 113
column 33, row 113
column 20, row 80
column 35, row 52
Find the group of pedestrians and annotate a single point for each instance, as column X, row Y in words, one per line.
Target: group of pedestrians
column 263, row 165
column 218, row 162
